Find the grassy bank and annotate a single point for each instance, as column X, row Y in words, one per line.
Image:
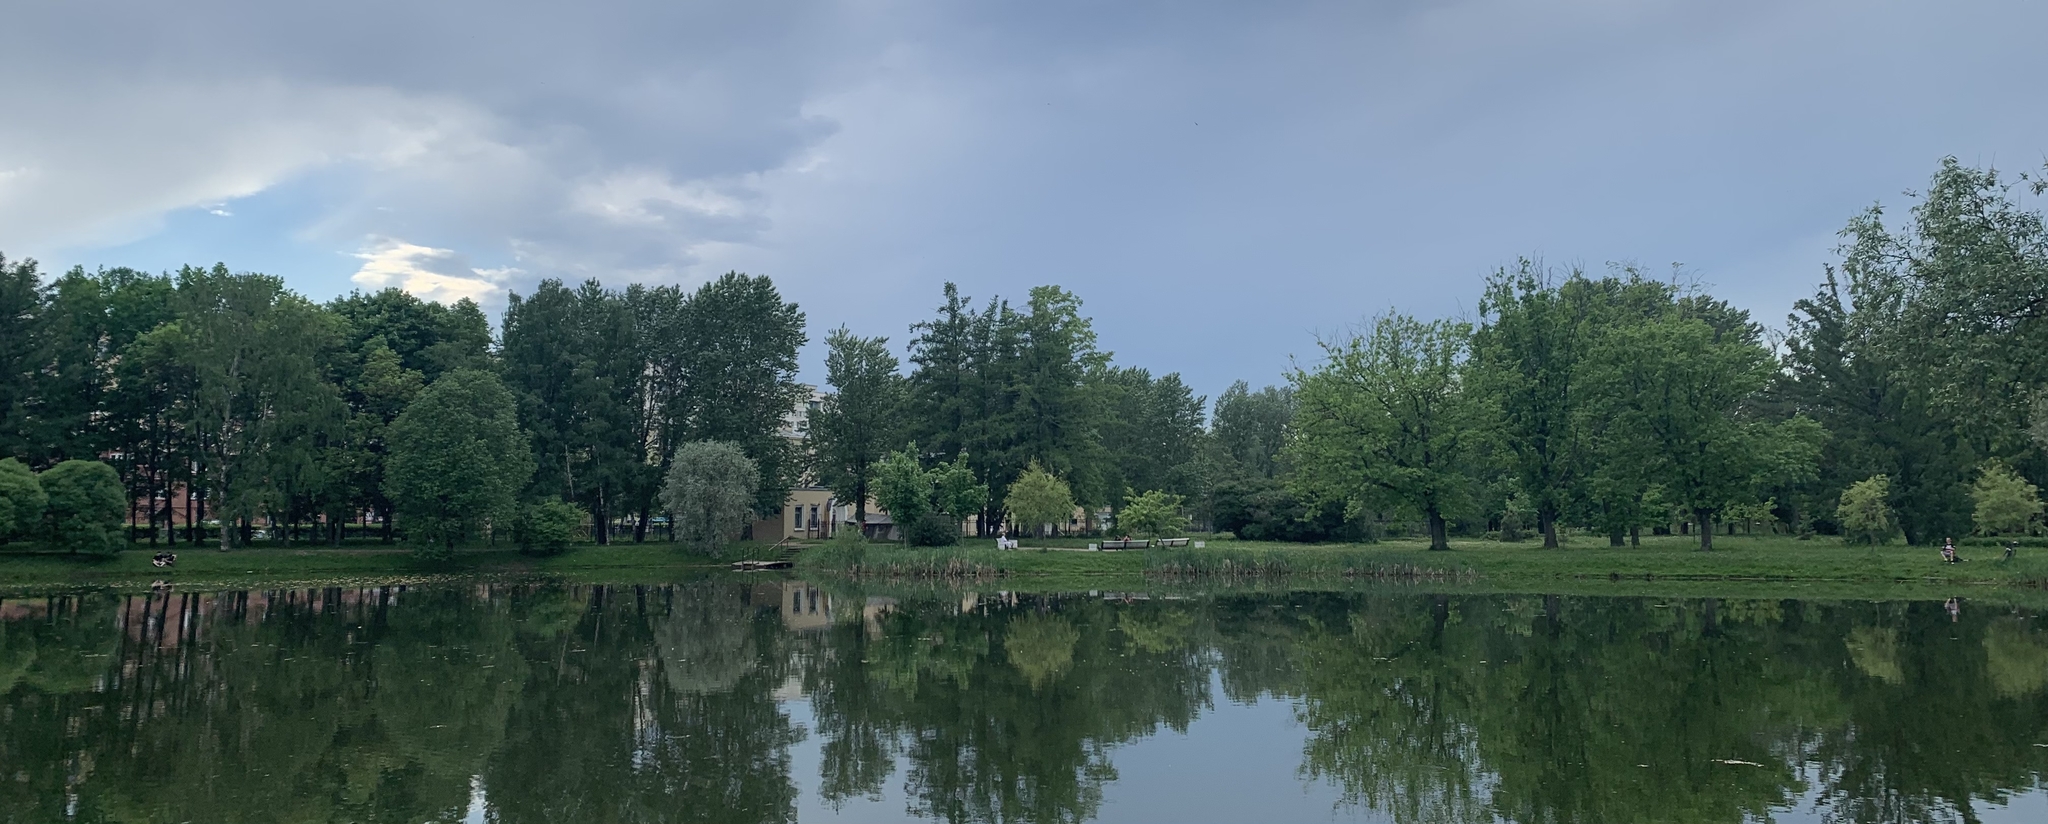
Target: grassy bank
column 1761, row 565
column 1663, row 559
column 26, row 567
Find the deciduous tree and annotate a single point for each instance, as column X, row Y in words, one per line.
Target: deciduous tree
column 861, row 421
column 458, row 461
column 1383, row 421
column 711, row 490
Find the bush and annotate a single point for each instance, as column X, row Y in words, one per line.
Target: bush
column 86, row 505
column 1865, row 516
column 932, row 529
column 22, row 502
column 1154, row 514
column 2005, row 503
column 546, row 528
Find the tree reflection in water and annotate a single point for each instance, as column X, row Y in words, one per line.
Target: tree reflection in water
column 547, row 703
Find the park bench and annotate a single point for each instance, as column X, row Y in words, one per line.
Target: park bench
column 1136, row 543
column 1173, row 542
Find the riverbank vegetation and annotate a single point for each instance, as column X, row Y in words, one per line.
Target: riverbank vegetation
column 1904, row 401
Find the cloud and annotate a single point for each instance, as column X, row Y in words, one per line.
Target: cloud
column 439, row 275
column 1350, row 156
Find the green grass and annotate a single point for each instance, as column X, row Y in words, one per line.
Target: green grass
column 1662, row 559
column 1758, row 566
column 22, row 567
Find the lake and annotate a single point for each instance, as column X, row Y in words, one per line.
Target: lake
column 767, row 700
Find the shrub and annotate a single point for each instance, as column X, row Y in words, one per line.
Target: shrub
column 22, row 502
column 546, row 528
column 932, row 529
column 1153, row 514
column 86, row 505
column 2005, row 503
column 1865, row 515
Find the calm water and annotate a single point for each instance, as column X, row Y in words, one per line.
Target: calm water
column 765, row 701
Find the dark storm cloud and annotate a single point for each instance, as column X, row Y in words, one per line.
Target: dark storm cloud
column 1218, row 180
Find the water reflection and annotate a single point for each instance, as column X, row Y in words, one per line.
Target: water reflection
column 686, row 703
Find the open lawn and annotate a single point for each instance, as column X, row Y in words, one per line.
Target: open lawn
column 625, row 562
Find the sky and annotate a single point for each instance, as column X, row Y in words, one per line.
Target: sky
column 1221, row 183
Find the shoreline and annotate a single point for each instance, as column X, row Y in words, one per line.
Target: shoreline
column 1664, row 565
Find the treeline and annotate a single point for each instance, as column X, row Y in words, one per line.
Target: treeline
column 1908, row 397
column 226, row 397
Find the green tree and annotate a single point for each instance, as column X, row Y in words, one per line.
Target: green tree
column 1530, row 375
column 21, row 305
column 902, row 488
column 956, row 493
column 1383, row 421
column 86, row 504
column 1676, row 389
column 1843, row 369
column 1968, row 273
column 740, row 366
column 1251, row 427
column 912, row 494
column 1864, row 512
column 548, row 527
column 711, row 489
column 1037, row 499
column 22, row 501
column 2006, row 503
column 458, row 461
column 1152, row 514
column 1149, row 429
column 856, row 425
column 261, row 402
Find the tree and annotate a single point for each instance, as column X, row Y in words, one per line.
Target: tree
column 1528, row 359
column 261, row 402
column 2006, row 503
column 1251, row 427
column 1382, row 422
column 22, row 501
column 573, row 359
column 1152, row 514
column 1039, row 498
column 1969, row 273
column 711, row 490
column 856, row 425
column 902, row 488
column 1677, row 388
column 1843, row 370
column 912, row 494
column 1149, row 429
column 739, row 369
column 1865, row 516
column 547, row 527
column 86, row 504
column 21, row 304
column 458, row 461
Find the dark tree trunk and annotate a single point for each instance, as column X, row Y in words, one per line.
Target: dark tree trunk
column 860, row 508
column 1547, row 522
column 1439, row 540
column 1635, row 537
column 1615, row 537
column 1706, row 517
